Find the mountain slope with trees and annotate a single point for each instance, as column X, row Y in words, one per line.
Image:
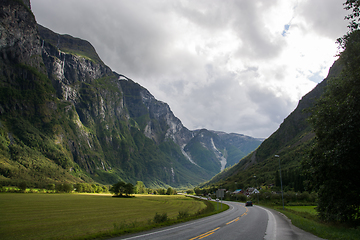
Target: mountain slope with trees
column 334, row 158
column 66, row 117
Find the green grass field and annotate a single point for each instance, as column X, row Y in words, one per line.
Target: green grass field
column 71, row 216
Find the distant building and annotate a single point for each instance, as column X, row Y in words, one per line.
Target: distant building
column 250, row 191
column 238, row 191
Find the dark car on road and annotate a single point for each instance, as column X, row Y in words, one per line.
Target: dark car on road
column 248, row 203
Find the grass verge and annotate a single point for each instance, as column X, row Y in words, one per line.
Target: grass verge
column 305, row 217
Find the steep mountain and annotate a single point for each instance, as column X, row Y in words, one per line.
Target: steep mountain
column 238, row 145
column 67, row 117
column 214, row 150
column 290, row 142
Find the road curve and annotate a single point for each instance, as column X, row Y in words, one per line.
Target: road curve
column 238, row 222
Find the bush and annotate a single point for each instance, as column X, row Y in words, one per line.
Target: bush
column 124, row 225
column 160, row 218
column 2, row 189
column 242, row 197
column 66, row 187
column 183, row 214
column 22, row 186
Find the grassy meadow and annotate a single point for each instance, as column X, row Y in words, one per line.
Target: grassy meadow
column 73, row 216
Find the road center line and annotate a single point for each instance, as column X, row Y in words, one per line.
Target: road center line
column 235, row 220
column 177, row 227
column 205, row 234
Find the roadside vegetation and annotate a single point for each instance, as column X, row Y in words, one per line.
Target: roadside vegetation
column 301, row 209
column 306, row 218
column 90, row 216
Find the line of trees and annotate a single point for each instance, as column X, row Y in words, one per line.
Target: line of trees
column 59, row 187
column 292, row 179
column 334, row 164
column 121, row 188
column 78, row 187
column 140, row 188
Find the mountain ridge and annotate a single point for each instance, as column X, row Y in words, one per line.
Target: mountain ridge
column 67, row 117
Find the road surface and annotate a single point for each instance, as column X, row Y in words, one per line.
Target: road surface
column 238, row 222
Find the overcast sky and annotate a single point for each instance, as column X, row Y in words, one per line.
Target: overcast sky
column 230, row 65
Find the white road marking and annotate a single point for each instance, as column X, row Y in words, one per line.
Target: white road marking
column 270, row 232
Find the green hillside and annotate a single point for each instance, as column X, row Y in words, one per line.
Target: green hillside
column 291, row 142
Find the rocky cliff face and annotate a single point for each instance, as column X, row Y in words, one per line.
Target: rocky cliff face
column 161, row 123
column 101, row 98
column 62, row 103
column 19, row 41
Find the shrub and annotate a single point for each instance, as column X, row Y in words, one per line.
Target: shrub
column 242, row 197
column 124, row 225
column 22, row 186
column 183, row 214
column 160, row 218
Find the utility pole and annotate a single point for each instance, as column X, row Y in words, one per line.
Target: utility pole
column 257, row 194
column 236, row 190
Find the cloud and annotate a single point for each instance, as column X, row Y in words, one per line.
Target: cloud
column 324, row 17
column 235, row 66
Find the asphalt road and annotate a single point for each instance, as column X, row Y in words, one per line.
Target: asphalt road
column 238, row 222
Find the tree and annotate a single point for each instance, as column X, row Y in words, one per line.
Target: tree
column 121, row 188
column 22, row 186
column 161, row 191
column 51, row 186
column 79, row 187
column 333, row 161
column 68, row 187
column 140, row 187
column 93, row 188
column 118, row 188
column 197, row 191
column 169, row 191
column 129, row 189
column 353, row 17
